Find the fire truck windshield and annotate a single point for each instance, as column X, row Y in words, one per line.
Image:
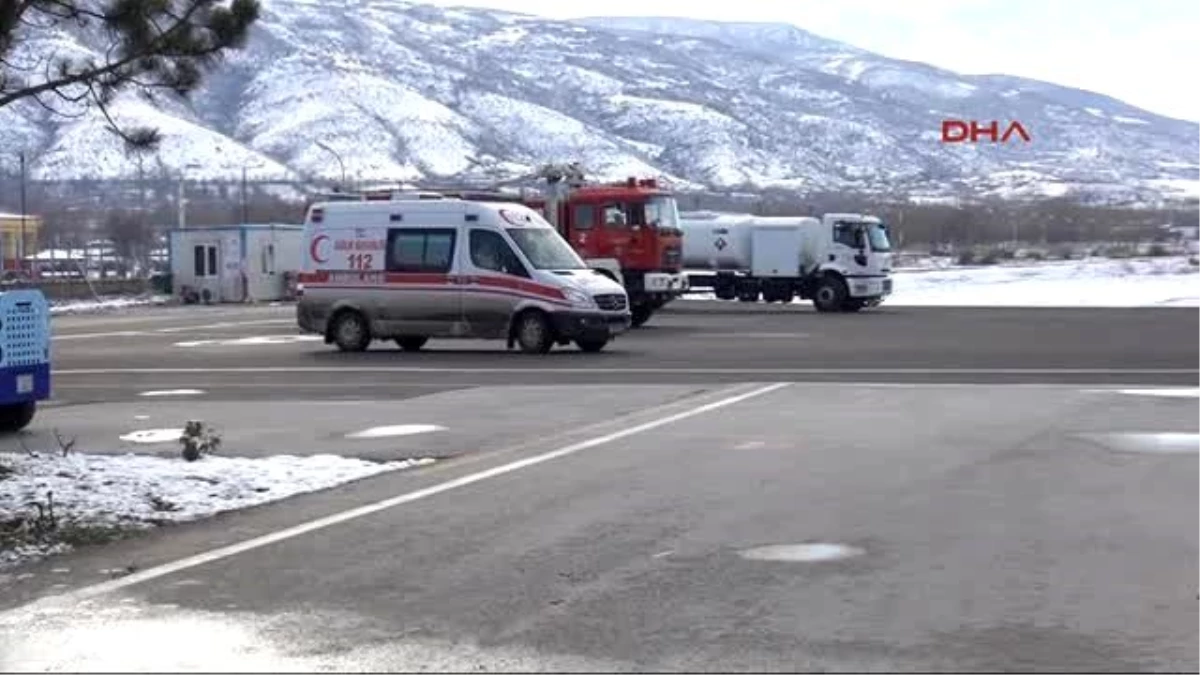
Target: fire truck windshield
column 662, row 212
column 545, row 248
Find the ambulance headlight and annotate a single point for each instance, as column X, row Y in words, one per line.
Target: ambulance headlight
column 579, row 298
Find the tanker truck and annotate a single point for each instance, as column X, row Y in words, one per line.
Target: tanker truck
column 840, row 261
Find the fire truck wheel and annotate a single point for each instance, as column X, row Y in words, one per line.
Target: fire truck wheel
column 533, row 333
column 350, row 331
column 411, row 343
column 591, row 346
column 831, row 295
column 640, row 315
column 16, row 416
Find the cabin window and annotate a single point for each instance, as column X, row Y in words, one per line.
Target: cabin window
column 849, row 234
column 204, row 261
column 615, row 216
column 424, row 250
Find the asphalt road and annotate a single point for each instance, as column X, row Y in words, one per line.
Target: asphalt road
column 256, row 352
column 575, row 525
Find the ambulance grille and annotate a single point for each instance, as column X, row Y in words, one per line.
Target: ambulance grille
column 611, row 302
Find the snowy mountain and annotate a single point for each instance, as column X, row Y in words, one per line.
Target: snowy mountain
column 404, row 92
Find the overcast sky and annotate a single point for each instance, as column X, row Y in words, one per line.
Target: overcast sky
column 1139, row 51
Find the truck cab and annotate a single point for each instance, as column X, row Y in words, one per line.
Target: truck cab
column 630, row 231
column 857, row 249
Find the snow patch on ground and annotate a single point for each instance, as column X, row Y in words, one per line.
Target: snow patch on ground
column 1098, row 282
column 106, row 304
column 151, row 436
column 1082, row 283
column 138, row 491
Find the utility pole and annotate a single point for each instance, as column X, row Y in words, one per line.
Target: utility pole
column 182, row 201
column 21, row 244
column 245, row 217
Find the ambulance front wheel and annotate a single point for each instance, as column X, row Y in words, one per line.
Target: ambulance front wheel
column 16, row 416
column 350, row 331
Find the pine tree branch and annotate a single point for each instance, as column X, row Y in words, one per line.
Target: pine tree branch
column 158, row 47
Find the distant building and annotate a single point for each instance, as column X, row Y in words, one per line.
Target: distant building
column 10, row 238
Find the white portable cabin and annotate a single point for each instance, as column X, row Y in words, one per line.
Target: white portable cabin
column 235, row 263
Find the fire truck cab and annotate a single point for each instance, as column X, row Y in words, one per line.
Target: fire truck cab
column 630, row 231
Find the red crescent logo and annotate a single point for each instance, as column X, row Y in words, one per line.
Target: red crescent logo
column 316, row 244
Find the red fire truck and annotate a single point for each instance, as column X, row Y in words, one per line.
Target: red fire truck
column 628, row 230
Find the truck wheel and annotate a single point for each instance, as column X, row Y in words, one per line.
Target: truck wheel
column 533, row 333
column 16, row 416
column 411, row 343
column 640, row 315
column 831, row 295
column 350, row 330
column 591, row 346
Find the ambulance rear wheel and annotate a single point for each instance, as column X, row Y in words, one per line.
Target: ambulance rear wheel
column 16, row 416
column 411, row 343
column 533, row 333
column 350, row 330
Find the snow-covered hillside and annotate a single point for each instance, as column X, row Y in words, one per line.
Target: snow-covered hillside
column 403, row 91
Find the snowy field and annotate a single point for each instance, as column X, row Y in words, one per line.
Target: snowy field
column 1144, row 282
column 1096, row 282
column 93, row 494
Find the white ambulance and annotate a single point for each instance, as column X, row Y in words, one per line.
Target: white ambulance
column 423, row 266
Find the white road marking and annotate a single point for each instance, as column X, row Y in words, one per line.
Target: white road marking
column 819, row 552
column 753, row 336
column 352, row 514
column 1180, row 392
column 396, row 430
column 173, row 392
column 86, row 336
column 636, row 371
column 226, row 324
column 257, row 340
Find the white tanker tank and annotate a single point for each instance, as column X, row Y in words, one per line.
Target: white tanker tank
column 841, row 261
column 727, row 241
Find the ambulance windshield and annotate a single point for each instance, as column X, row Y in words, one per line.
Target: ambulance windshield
column 545, row 248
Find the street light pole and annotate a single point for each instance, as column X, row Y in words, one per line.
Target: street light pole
column 338, row 157
column 182, row 196
column 245, row 217
column 21, row 244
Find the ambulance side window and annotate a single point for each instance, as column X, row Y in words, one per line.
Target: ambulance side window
column 489, row 251
column 424, row 250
